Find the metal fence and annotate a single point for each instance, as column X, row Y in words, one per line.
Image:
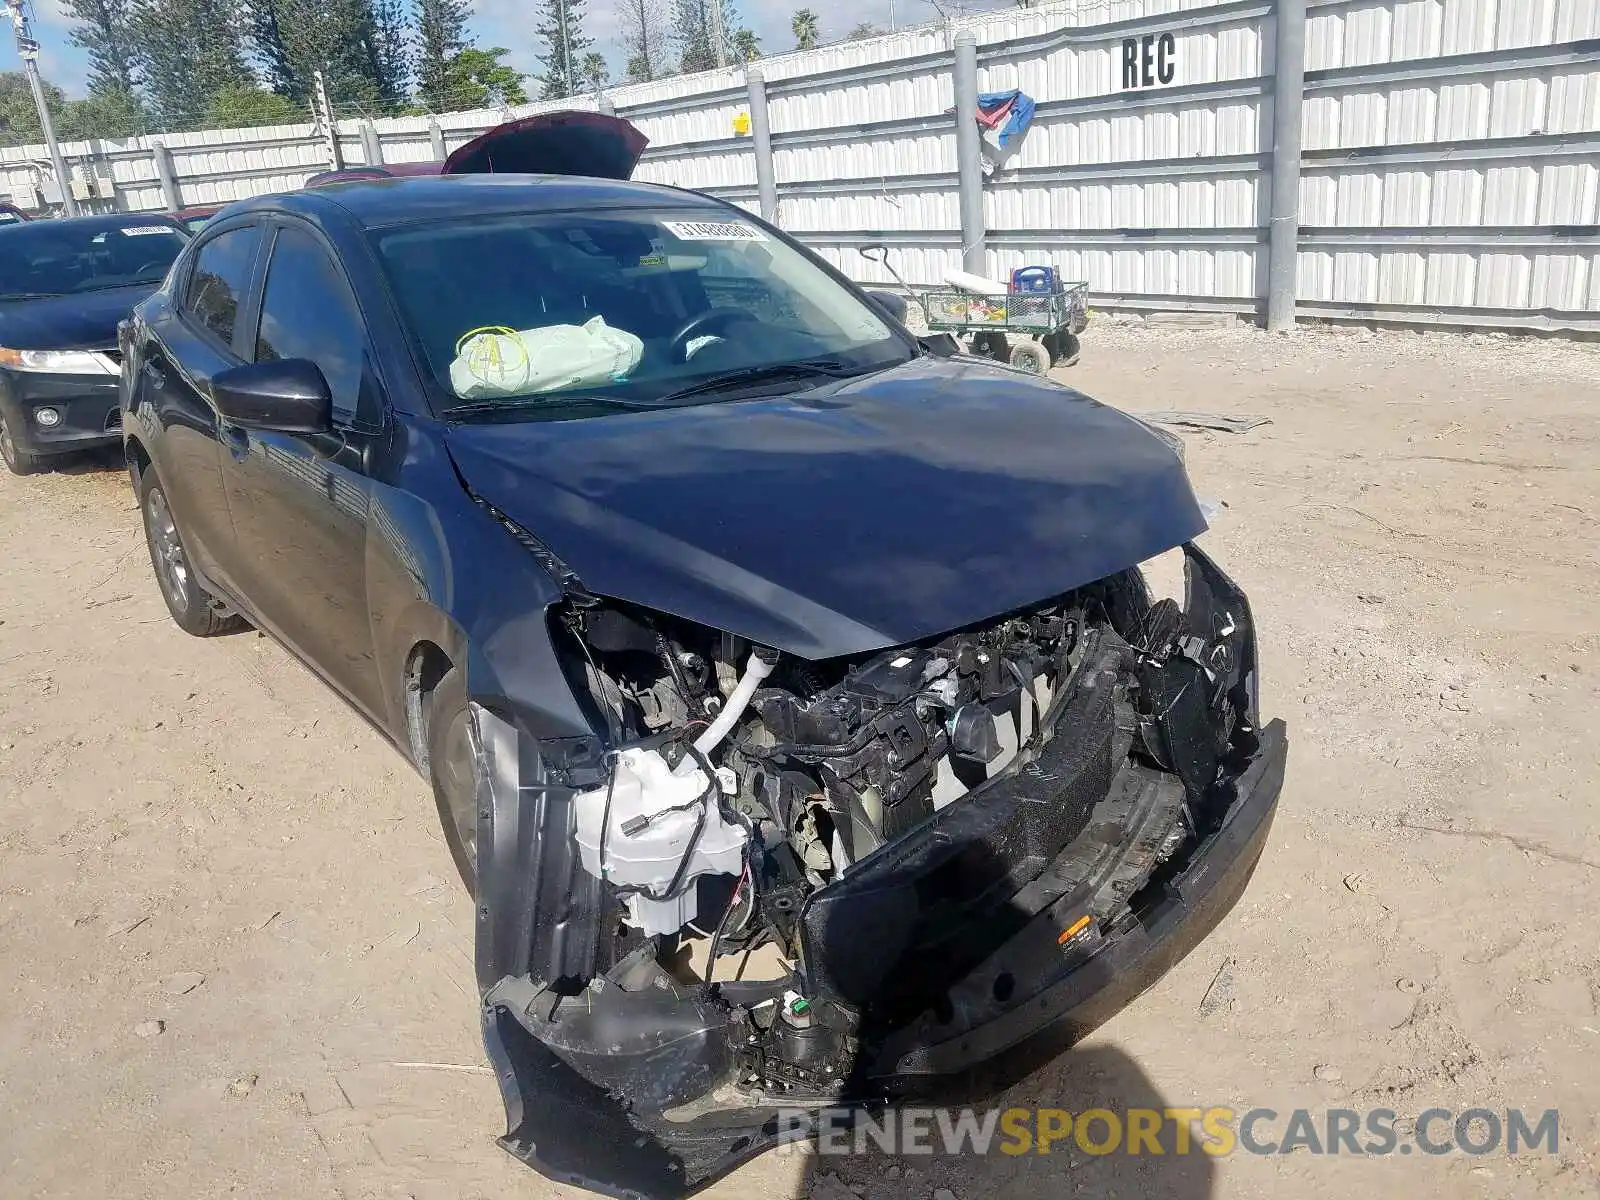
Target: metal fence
column 1448, row 168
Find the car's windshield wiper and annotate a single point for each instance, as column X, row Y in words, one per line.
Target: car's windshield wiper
column 30, row 295
column 830, row 368
column 526, row 404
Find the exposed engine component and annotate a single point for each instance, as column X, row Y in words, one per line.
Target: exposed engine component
column 652, row 831
column 657, row 826
column 784, row 773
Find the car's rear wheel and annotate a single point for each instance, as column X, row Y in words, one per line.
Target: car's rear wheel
column 18, row 461
column 195, row 610
column 453, row 771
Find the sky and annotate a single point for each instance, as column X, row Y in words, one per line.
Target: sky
column 509, row 23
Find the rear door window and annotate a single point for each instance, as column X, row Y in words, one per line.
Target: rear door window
column 220, row 278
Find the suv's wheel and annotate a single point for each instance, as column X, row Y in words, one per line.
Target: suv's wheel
column 453, row 771
column 195, row 610
column 18, row 461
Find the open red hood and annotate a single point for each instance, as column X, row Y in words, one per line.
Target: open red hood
column 559, row 143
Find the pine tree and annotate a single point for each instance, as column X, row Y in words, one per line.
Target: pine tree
column 390, row 67
column 102, row 33
column 271, row 54
column 560, row 28
column 293, row 39
column 692, row 36
column 185, row 52
column 440, row 34
column 644, row 39
column 692, row 31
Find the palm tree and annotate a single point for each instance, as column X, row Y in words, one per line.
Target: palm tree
column 593, row 70
column 746, row 46
column 804, row 26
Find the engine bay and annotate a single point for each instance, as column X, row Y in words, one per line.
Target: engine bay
column 744, row 782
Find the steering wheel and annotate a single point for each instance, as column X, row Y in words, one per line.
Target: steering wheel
column 709, row 323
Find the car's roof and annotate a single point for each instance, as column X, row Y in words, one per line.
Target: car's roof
column 375, row 203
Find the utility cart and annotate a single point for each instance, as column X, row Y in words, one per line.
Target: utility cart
column 1048, row 322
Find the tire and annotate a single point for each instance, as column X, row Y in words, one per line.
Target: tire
column 1064, row 348
column 991, row 344
column 18, row 461
column 1030, row 357
column 195, row 610
column 453, row 772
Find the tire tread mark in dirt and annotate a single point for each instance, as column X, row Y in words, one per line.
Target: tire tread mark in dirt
column 1494, row 835
column 1405, row 533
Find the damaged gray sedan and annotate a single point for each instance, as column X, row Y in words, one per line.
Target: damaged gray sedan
column 795, row 706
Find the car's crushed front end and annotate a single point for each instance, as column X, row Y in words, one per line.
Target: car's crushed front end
column 774, row 885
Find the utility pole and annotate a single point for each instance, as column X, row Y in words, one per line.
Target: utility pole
column 28, row 50
column 716, row 31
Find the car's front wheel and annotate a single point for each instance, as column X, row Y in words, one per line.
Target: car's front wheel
column 195, row 609
column 453, row 771
column 18, row 461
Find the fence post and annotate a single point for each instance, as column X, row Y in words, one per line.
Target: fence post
column 1283, row 228
column 168, row 175
column 325, row 118
column 371, row 144
column 761, row 135
column 436, row 140
column 969, row 155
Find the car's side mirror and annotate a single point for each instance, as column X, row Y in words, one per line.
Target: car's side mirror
column 288, row 395
column 890, row 303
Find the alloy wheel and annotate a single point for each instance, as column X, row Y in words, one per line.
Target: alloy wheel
column 171, row 566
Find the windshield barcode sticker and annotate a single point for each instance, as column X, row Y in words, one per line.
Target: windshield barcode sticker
column 714, row 231
column 142, row 230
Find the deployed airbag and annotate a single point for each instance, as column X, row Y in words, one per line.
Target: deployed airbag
column 507, row 362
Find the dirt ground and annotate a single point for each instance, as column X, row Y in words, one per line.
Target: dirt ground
column 234, row 959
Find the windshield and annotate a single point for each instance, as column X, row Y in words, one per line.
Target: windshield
column 560, row 314
column 58, row 258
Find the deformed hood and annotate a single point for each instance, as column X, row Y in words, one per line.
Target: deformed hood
column 907, row 504
column 560, row 143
